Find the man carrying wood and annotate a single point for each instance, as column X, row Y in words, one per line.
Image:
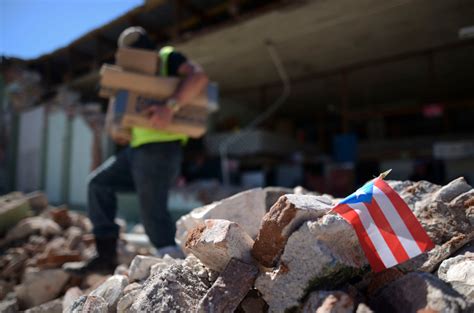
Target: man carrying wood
column 149, row 165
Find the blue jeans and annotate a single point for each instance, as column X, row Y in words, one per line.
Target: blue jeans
column 149, row 170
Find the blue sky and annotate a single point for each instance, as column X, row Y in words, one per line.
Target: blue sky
column 30, row 28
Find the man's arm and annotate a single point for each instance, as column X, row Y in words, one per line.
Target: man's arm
column 194, row 80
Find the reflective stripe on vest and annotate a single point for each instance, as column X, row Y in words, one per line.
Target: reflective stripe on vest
column 141, row 136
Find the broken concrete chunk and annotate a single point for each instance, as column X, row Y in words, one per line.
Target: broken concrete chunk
column 416, row 292
column 111, row 290
column 33, row 225
column 246, row 209
column 54, row 306
column 320, row 254
column 286, row 215
column 140, row 267
column 177, row 288
column 230, row 288
column 216, row 242
column 97, row 304
column 163, row 264
column 89, row 304
column 9, row 304
column 13, row 208
column 38, row 201
column 328, row 302
column 38, row 287
column 71, row 295
column 125, row 303
column 459, row 272
column 452, row 190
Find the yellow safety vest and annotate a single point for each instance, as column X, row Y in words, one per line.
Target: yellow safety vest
column 141, row 136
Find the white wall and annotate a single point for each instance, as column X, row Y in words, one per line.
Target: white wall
column 57, row 135
column 30, row 144
column 80, row 161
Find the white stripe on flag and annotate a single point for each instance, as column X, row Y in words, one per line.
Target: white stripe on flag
column 396, row 222
column 374, row 234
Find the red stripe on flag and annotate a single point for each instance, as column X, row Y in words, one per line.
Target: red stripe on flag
column 387, row 232
column 352, row 218
column 414, row 227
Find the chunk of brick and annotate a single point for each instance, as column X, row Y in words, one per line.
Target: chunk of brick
column 230, row 288
column 217, row 241
column 284, row 217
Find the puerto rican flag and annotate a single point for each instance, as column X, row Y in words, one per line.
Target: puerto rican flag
column 388, row 231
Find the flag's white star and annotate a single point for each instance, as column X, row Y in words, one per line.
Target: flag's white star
column 359, row 192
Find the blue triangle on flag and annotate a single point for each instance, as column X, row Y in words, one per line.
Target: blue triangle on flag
column 363, row 194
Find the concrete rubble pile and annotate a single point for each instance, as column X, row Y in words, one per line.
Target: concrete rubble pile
column 274, row 250
column 36, row 241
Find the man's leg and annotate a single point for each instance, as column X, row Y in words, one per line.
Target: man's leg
column 154, row 168
column 104, row 182
column 112, row 176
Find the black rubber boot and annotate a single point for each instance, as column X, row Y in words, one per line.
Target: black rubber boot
column 104, row 262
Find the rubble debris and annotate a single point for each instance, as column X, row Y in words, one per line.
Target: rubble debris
column 32, row 225
column 111, row 291
column 419, row 291
column 40, row 286
column 216, row 242
column 180, row 287
column 71, row 295
column 53, row 306
column 286, row 215
column 9, row 304
column 459, row 273
column 140, row 267
column 245, row 208
column 230, row 288
column 89, row 304
column 328, row 302
column 320, row 254
column 13, row 208
column 129, row 294
column 38, row 201
column 316, row 265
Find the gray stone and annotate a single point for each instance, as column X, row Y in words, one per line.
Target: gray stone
column 111, row 290
column 89, row 304
column 176, row 288
column 38, row 201
column 416, row 292
column 140, row 267
column 328, row 302
column 459, row 272
column 163, row 264
column 452, row 190
column 9, row 304
column 30, row 226
column 215, row 242
column 13, row 208
column 246, row 209
column 96, row 304
column 286, row 215
column 230, row 288
column 125, row 303
column 71, row 295
column 54, row 306
column 38, row 287
column 320, row 254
